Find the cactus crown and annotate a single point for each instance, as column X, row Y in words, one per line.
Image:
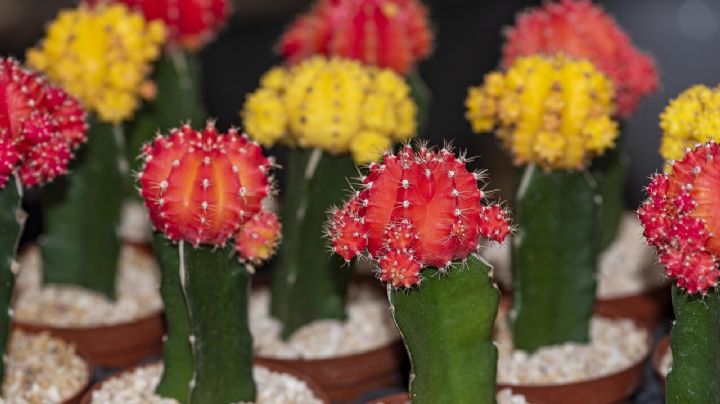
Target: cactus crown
column 681, row 218
column 190, row 23
column 415, row 209
column 205, row 187
column 551, row 111
column 580, row 29
column 40, row 126
column 391, row 34
column 337, row 105
column 691, row 118
column 101, row 55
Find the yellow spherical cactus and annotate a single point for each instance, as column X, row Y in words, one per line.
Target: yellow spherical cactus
column 337, row 105
column 102, row 55
column 548, row 110
column 691, row 118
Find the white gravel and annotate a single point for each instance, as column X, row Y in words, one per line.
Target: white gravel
column 615, row 345
column 138, row 387
column 666, row 363
column 134, row 223
column 137, row 294
column 627, row 267
column 369, row 326
column 42, row 370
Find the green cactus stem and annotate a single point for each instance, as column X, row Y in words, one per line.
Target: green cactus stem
column 177, row 354
column 423, row 98
column 610, row 171
column 554, row 258
column 306, row 284
column 81, row 245
column 178, row 79
column 695, row 349
column 446, row 323
column 12, row 221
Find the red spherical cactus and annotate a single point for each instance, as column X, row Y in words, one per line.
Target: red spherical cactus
column 580, row 29
column 416, row 209
column 204, row 187
column 681, row 218
column 394, row 34
column 190, row 23
column 40, row 126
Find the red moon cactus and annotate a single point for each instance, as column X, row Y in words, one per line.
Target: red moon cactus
column 416, row 209
column 203, row 187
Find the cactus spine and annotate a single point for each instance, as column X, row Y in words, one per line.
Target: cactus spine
column 554, row 258
column 202, row 189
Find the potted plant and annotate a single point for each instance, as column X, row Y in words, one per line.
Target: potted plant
column 391, row 34
column 331, row 113
column 41, row 126
column 419, row 217
column 627, row 280
column 205, row 192
column 95, row 292
column 553, row 114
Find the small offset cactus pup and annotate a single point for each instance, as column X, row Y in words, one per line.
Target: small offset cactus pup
column 419, row 216
column 40, row 127
column 681, row 219
column 204, row 191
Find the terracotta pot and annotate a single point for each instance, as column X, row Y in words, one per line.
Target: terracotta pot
column 347, row 378
column 113, row 346
column 314, row 386
column 646, row 308
column 658, row 354
column 398, row 398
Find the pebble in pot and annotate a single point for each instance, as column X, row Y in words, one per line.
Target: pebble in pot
column 419, row 216
column 554, row 115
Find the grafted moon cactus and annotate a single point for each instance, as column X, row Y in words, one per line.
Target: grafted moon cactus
column 415, row 210
column 420, row 217
column 691, row 118
column 681, row 220
column 393, row 34
column 580, row 29
column 40, row 128
column 202, row 188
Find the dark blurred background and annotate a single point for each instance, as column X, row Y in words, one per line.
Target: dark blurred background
column 681, row 34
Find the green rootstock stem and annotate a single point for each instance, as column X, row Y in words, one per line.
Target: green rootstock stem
column 177, row 354
column 12, row 221
column 554, row 258
column 308, row 284
column 423, row 98
column 216, row 288
column 695, row 345
column 178, row 80
column 81, row 245
column 610, row 171
column 446, row 324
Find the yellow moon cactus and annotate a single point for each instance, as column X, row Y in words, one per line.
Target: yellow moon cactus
column 102, row 55
column 691, row 118
column 552, row 111
column 337, row 105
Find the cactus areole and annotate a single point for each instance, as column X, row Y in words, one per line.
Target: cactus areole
column 681, row 219
column 204, row 191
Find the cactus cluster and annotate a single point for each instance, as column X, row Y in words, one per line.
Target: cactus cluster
column 204, row 186
column 580, row 29
column 40, row 126
column 391, row 34
column 337, row 105
column 190, row 23
column 101, row 55
column 416, row 209
column 550, row 110
column 681, row 219
column 691, row 118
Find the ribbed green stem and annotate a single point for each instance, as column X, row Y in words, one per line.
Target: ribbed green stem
column 422, row 96
column 446, row 324
column 178, row 79
column 216, row 288
column 177, row 354
column 695, row 345
column 81, row 244
column 610, row 171
column 554, row 258
column 307, row 283
column 12, row 220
